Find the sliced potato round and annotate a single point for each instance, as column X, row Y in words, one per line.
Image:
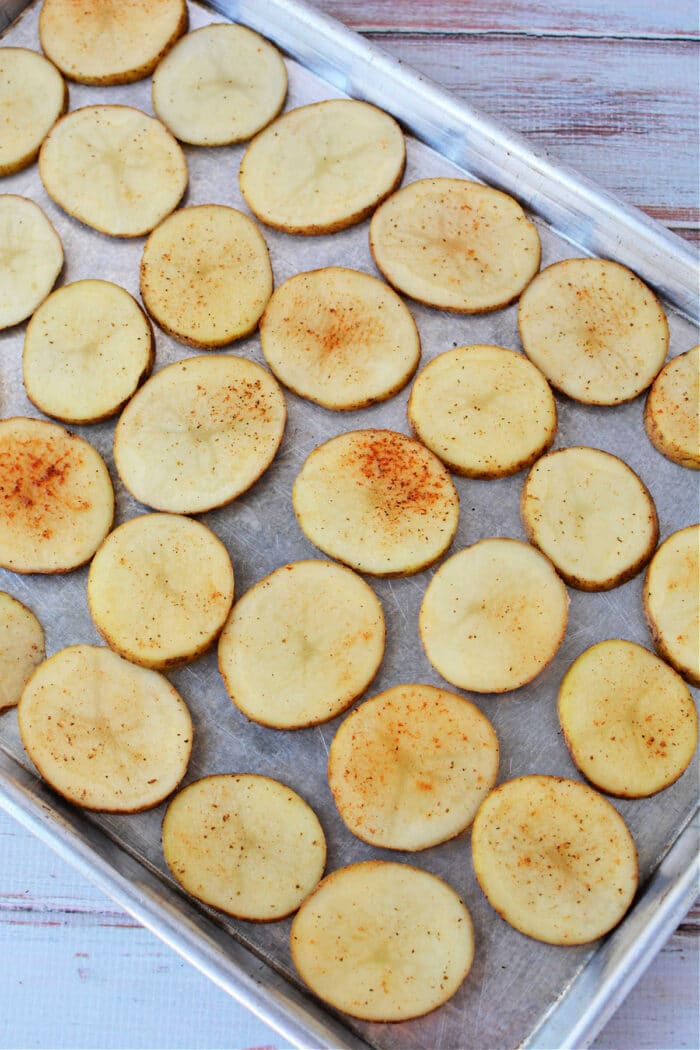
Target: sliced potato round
column 56, row 497
column 493, row 616
column 595, row 330
column 245, row 844
column 340, row 338
column 113, row 168
column 484, row 410
column 31, row 258
column 86, row 350
column 21, row 648
column 383, row 941
column 591, row 514
column 455, row 244
column 302, row 644
column 554, row 859
column 322, row 167
column 671, row 598
column 199, row 433
column 672, row 410
column 410, row 767
column 33, row 95
column 104, row 733
column 377, row 501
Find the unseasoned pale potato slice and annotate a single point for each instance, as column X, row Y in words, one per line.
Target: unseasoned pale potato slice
column 671, row 598
column 493, row 616
column 340, row 338
column 455, row 244
column 31, row 258
column 33, row 95
column 160, row 588
column 56, row 497
column 21, row 648
column 409, row 768
column 591, row 514
column 86, row 350
column 114, row 168
column 302, row 644
column 554, row 858
column 322, row 167
column 595, row 330
column 383, row 941
column 672, row 410
column 245, row 844
column 377, row 501
column 104, row 733
column 199, row 433
column 484, row 410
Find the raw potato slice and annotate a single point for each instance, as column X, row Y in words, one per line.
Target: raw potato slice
column 160, row 588
column 113, row 168
column 595, row 330
column 56, row 497
column 110, row 41
column 671, row 598
column 21, row 648
column 377, row 501
column 302, row 644
column 484, row 410
column 383, row 941
column 629, row 721
column 455, row 244
column 104, row 733
column 206, row 275
column 31, row 258
column 493, row 616
column 591, row 514
column 672, row 410
column 220, row 84
column 86, row 350
column 33, row 95
column 323, row 167
column 199, row 433
column 410, row 767
column 554, row 858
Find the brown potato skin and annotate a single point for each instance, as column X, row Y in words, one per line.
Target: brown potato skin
column 29, row 158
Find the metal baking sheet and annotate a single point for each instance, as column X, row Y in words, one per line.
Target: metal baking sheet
column 518, row 991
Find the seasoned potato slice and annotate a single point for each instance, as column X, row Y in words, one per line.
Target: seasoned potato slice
column 33, row 95
column 302, row 644
column 455, row 244
column 409, row 768
column 31, row 258
column 104, row 733
column 377, row 501
column 339, row 337
column 672, row 410
column 595, row 330
column 322, row 167
column 21, row 648
column 245, row 844
column 199, row 433
column 591, row 514
column 383, row 941
column 671, row 598
column 554, row 858
column 493, row 616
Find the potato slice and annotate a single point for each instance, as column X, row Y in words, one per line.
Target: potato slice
column 160, row 588
column 302, row 644
column 110, row 41
column 484, row 410
column 113, row 168
column 199, row 433
column 322, row 167
column 104, row 733
column 493, row 616
column 671, row 598
column 591, row 514
column 220, row 84
column 245, row 844
column 33, row 95
column 383, row 941
column 410, row 767
column 21, row 648
column 31, row 258
column 455, row 244
column 86, row 350
column 554, row 859
column 595, row 330
column 672, row 410
column 340, row 338
column 56, row 497
column 377, row 501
